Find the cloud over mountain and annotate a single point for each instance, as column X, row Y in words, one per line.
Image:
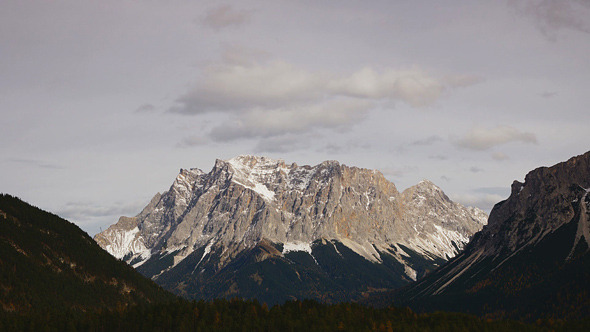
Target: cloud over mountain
column 276, row 122
column 482, row 138
column 276, row 97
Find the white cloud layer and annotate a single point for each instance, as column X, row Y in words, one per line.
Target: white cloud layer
column 265, row 123
column 277, row 97
column 234, row 87
column 413, row 86
column 482, row 138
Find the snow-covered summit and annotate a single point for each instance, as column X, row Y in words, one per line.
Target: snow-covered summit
column 255, row 162
column 266, row 176
column 247, row 199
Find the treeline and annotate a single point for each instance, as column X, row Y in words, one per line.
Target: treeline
column 240, row 315
column 53, row 277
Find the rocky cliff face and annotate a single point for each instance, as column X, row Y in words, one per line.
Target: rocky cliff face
column 439, row 223
column 246, row 201
column 548, row 199
column 532, row 258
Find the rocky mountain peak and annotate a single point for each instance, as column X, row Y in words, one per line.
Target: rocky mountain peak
column 430, row 210
column 424, row 190
column 538, row 206
column 255, row 162
column 330, row 163
column 533, row 256
column 248, row 199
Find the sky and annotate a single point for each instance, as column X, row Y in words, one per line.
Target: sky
column 102, row 102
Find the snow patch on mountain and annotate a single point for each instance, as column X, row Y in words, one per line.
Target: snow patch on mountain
column 254, row 172
column 410, row 272
column 205, row 253
column 366, row 249
column 440, row 243
column 296, row 246
column 125, row 242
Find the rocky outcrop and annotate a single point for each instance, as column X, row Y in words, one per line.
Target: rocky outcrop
column 531, row 259
column 246, row 200
column 537, row 207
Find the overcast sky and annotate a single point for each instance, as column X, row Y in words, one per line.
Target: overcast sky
column 102, row 102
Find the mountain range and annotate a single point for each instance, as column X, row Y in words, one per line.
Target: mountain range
column 53, row 277
column 259, row 228
column 530, row 262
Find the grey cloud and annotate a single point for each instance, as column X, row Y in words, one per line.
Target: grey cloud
column 474, row 169
column 84, row 210
column 483, row 197
column 240, row 84
column 438, row 157
column 548, row 94
column 501, row 191
column 262, row 123
column 413, row 86
column 445, row 178
column 191, row 141
column 480, row 200
column 398, row 172
column 551, row 16
column 460, row 81
column 483, row 139
column 333, row 148
column 232, row 131
column 35, row 163
column 283, row 144
column 236, row 54
column 145, row 108
column 234, row 88
column 225, row 16
column 427, row 141
column 500, row 156
column 277, row 98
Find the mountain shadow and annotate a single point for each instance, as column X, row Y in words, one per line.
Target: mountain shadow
column 48, row 264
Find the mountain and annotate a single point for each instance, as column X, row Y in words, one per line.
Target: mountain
column 48, row 264
column 532, row 259
column 258, row 228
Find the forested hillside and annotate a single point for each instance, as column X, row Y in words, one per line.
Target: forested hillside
column 48, row 263
column 239, row 315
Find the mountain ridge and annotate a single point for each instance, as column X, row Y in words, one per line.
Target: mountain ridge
column 245, row 200
column 531, row 260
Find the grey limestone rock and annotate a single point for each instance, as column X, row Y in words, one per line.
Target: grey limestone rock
column 246, row 200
